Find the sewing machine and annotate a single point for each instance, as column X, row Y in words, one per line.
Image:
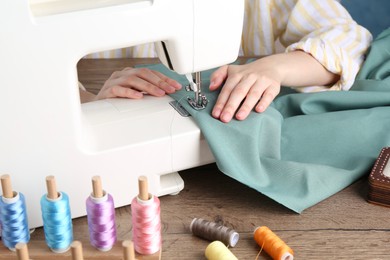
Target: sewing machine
column 46, row 131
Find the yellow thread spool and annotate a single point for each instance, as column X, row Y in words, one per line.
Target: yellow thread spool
column 272, row 244
column 217, row 251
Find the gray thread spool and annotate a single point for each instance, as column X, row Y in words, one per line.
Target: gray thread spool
column 213, row 231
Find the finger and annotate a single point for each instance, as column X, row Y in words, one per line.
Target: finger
column 218, row 76
column 155, row 79
column 250, row 101
column 267, row 97
column 140, row 84
column 124, row 92
column 176, row 85
column 224, row 95
column 237, row 95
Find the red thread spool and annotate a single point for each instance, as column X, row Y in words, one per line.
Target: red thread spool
column 272, row 244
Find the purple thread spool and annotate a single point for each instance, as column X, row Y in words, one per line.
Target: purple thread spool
column 101, row 221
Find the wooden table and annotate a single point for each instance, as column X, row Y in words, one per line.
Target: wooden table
column 344, row 226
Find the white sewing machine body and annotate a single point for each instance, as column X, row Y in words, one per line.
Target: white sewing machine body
column 46, row 131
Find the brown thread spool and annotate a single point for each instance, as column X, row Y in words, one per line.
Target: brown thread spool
column 213, row 231
column 7, row 187
column 97, row 190
column 143, row 188
column 51, row 188
column 128, row 250
column 22, row 251
column 77, row 250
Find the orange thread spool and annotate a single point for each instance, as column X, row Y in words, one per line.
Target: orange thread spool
column 272, row 244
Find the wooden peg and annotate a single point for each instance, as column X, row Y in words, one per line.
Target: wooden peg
column 143, row 188
column 6, row 186
column 128, row 250
column 97, row 190
column 51, row 187
column 22, row 251
column 77, row 250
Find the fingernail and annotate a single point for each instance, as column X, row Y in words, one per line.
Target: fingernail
column 138, row 94
column 161, row 92
column 216, row 112
column 240, row 115
column 225, row 117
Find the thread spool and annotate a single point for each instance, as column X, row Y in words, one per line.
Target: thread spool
column 213, row 231
column 272, row 244
column 22, row 251
column 57, row 221
column 128, row 250
column 13, row 215
column 101, row 217
column 218, row 251
column 146, row 220
column 77, row 250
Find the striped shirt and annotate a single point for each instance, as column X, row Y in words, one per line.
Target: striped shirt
column 323, row 28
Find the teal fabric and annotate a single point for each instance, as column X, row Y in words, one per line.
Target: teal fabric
column 305, row 147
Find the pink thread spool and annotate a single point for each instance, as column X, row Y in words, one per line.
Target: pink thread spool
column 101, row 217
column 146, row 220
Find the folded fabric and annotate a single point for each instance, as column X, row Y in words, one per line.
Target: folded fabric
column 306, row 146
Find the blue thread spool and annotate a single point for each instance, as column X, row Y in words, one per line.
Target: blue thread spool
column 57, row 221
column 13, row 216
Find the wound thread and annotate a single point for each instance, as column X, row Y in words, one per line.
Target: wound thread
column 101, row 222
column 13, row 219
column 146, row 225
column 218, row 251
column 57, row 222
column 272, row 244
column 214, row 231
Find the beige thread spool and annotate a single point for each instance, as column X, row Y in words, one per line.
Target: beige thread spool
column 217, row 251
column 128, row 250
column 77, row 250
column 22, row 251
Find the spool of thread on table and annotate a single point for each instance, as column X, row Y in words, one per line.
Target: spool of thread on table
column 57, row 221
column 77, row 250
column 272, row 244
column 22, row 251
column 128, row 250
column 146, row 220
column 101, row 217
column 218, row 251
column 213, row 231
column 13, row 215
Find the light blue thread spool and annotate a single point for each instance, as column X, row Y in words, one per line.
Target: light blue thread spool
column 13, row 219
column 57, row 222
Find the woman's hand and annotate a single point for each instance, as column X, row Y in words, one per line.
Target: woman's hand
column 253, row 85
column 135, row 82
column 256, row 84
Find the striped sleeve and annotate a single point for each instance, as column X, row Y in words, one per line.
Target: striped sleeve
column 325, row 29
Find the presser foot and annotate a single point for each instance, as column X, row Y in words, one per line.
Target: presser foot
column 199, row 101
column 199, row 104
